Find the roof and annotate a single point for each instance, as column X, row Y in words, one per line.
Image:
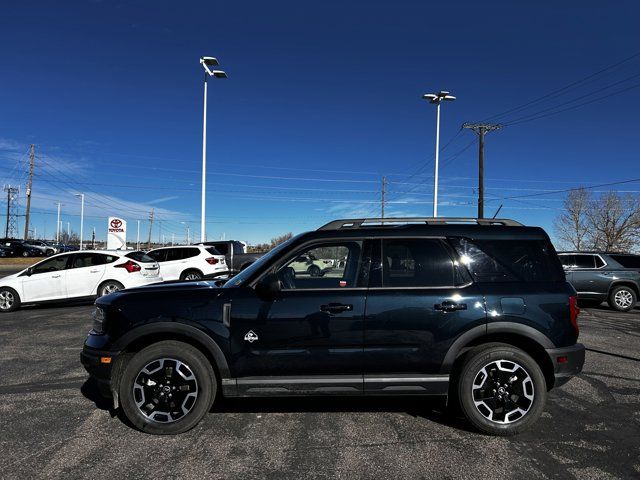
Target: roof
column 503, row 229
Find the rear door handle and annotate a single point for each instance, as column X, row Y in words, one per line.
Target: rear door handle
column 449, row 306
column 94, row 271
column 56, row 276
column 336, row 308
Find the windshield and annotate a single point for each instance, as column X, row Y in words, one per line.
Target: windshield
column 257, row 265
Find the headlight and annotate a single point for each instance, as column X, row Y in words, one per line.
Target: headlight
column 98, row 320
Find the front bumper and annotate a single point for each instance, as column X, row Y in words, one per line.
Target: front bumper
column 567, row 362
column 94, row 362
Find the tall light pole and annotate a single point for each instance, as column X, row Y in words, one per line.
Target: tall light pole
column 206, row 62
column 81, row 195
column 437, row 99
column 138, row 237
column 58, row 225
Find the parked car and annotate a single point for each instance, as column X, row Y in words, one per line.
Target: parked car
column 44, row 248
column 62, row 248
column 308, row 264
column 234, row 253
column 69, row 276
column 600, row 276
column 194, row 262
column 479, row 312
column 22, row 249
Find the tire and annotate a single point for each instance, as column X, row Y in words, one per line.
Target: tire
column 195, row 376
column 525, row 395
column 622, row 298
column 191, row 276
column 48, row 253
column 314, row 271
column 9, row 300
column 25, row 253
column 108, row 287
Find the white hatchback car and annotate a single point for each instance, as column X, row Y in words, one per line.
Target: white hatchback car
column 75, row 275
column 194, row 262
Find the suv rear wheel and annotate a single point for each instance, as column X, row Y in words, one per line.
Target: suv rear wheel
column 167, row 388
column 622, row 298
column 501, row 389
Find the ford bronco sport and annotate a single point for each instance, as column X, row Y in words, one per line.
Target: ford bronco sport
column 476, row 311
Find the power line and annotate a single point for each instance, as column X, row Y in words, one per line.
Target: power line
column 555, row 93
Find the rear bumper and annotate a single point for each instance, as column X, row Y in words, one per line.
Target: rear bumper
column 567, row 362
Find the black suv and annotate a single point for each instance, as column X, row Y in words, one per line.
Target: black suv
column 603, row 276
column 478, row 311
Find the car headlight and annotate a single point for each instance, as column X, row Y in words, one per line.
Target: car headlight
column 98, row 320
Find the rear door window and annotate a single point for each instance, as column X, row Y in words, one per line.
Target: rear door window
column 159, row 255
column 584, row 261
column 417, row 263
column 493, row 261
column 189, row 252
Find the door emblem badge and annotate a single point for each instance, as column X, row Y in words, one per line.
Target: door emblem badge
column 251, row 336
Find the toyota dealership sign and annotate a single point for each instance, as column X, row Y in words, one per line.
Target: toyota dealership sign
column 116, row 234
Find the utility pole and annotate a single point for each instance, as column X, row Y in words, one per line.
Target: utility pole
column 32, row 159
column 150, row 228
column 138, row 237
column 481, row 129
column 93, row 239
column 382, row 195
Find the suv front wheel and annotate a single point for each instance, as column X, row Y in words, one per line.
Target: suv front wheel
column 167, row 388
column 501, row 389
column 622, row 298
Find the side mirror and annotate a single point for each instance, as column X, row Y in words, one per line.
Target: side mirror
column 269, row 287
column 28, row 272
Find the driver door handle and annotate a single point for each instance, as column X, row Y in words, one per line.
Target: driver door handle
column 336, row 308
column 56, row 276
column 449, row 306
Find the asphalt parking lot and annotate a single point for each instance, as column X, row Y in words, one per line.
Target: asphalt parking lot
column 54, row 426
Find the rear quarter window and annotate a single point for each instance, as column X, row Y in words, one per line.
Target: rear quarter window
column 627, row 261
column 491, row 261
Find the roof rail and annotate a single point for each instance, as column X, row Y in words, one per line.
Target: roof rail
column 353, row 223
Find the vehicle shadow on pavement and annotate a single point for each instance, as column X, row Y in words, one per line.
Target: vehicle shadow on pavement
column 431, row 409
column 91, row 391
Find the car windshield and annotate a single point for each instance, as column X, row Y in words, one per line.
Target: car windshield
column 257, row 265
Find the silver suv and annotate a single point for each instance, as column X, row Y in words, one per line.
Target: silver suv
column 600, row 276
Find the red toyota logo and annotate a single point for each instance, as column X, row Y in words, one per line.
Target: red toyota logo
column 116, row 223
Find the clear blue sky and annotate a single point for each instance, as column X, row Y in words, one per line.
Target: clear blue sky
column 322, row 99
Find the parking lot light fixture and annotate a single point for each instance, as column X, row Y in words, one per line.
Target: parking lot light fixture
column 206, row 63
column 81, row 195
column 437, row 98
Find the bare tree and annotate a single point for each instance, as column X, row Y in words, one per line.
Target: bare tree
column 614, row 222
column 280, row 239
column 571, row 226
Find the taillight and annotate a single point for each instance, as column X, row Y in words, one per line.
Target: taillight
column 574, row 310
column 130, row 266
column 211, row 260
